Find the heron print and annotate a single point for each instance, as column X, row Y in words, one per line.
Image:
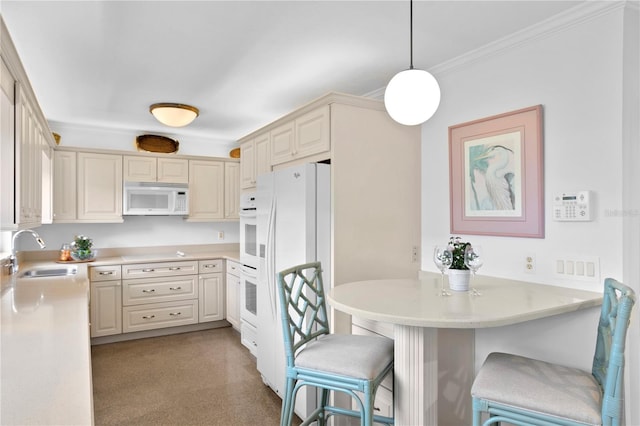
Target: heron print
column 493, row 175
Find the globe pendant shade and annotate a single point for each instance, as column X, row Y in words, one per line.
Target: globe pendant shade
column 412, row 97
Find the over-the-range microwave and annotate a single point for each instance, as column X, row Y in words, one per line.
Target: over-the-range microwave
column 155, row 199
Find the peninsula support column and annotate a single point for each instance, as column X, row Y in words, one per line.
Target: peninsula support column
column 415, row 376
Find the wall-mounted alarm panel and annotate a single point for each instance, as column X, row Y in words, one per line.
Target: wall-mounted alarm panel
column 572, row 207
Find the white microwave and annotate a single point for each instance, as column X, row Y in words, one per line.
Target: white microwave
column 155, row 199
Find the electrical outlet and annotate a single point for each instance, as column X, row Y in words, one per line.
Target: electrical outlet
column 530, row 263
column 220, row 235
column 415, row 254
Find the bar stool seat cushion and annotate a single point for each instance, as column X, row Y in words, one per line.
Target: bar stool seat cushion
column 363, row 357
column 540, row 387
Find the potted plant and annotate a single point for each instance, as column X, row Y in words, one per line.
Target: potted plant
column 81, row 248
column 459, row 274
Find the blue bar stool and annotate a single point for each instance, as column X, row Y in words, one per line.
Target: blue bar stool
column 351, row 364
column 525, row 391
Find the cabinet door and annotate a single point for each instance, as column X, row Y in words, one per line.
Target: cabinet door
column 312, row 133
column 7, row 147
column 64, row 186
column 47, row 182
column 233, row 300
column 282, row 143
column 206, row 190
column 139, row 169
column 263, row 155
column 28, row 164
column 231, row 190
column 173, row 170
column 99, row 187
column 211, row 297
column 247, row 165
column 106, row 308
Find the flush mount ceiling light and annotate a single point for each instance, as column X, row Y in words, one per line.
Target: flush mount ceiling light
column 174, row 115
column 412, row 96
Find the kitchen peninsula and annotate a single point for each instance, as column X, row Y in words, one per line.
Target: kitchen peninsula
column 417, row 311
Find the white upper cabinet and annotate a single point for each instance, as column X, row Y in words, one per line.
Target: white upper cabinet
column 305, row 136
column 255, row 159
column 64, row 186
column 25, row 139
column 99, row 187
column 231, row 190
column 153, row 169
column 206, row 190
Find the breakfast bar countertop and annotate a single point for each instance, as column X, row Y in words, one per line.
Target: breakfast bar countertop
column 416, row 302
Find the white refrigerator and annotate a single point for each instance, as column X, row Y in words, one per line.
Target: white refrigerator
column 293, row 227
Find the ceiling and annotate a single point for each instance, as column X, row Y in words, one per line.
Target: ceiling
column 242, row 63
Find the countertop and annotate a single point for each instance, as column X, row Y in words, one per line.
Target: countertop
column 45, row 352
column 417, row 303
column 45, row 349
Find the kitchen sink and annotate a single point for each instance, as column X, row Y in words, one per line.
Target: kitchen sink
column 54, row 271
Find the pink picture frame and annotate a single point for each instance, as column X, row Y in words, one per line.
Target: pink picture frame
column 496, row 175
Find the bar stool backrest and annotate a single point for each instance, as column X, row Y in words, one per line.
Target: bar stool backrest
column 608, row 359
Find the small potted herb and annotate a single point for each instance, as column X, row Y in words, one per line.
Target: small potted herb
column 459, row 274
column 81, row 248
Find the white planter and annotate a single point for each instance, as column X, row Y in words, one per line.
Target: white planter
column 459, row 279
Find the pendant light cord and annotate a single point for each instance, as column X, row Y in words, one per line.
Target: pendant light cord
column 411, row 34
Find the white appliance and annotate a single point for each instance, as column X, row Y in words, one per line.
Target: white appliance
column 248, row 230
column 294, row 215
column 249, row 295
column 155, row 199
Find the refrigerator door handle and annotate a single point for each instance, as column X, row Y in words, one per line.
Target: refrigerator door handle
column 270, row 258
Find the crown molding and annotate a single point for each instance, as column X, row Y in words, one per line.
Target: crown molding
column 557, row 23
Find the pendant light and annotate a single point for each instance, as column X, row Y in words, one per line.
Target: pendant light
column 174, row 115
column 412, row 96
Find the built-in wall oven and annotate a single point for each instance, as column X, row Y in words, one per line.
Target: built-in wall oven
column 248, row 295
column 249, row 274
column 248, row 230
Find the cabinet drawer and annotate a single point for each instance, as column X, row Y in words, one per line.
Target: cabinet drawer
column 159, row 315
column 105, row 273
column 160, row 269
column 152, row 290
column 210, row 266
column 233, row 268
column 249, row 337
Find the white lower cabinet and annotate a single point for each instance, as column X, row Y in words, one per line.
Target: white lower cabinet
column 106, row 301
column 233, row 293
column 159, row 315
column 159, row 294
column 211, row 286
column 147, row 296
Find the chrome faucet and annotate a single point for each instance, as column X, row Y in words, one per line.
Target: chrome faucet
column 13, row 259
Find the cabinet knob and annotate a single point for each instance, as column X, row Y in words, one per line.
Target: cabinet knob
column 175, row 314
column 149, row 290
column 175, row 268
column 148, row 270
column 106, row 273
column 148, row 316
column 175, row 288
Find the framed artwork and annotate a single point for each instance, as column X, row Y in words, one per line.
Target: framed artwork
column 496, row 175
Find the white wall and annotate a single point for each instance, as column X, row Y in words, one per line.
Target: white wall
column 137, row 231
column 576, row 74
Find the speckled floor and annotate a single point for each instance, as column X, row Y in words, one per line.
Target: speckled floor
column 199, row 378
